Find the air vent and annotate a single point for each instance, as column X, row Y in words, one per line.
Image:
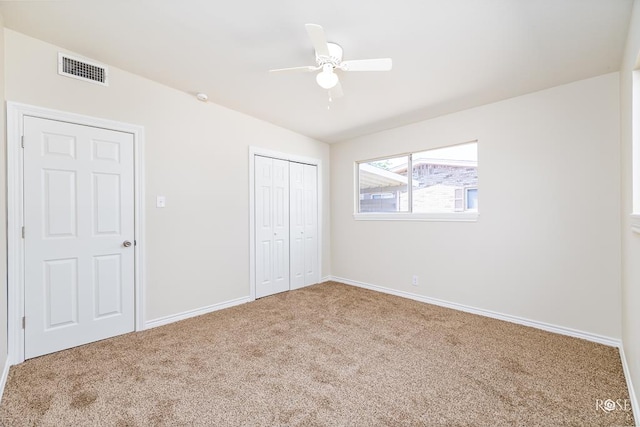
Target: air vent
column 82, row 69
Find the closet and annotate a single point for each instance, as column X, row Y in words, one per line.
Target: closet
column 286, row 225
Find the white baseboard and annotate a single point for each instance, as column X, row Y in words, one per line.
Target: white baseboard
column 325, row 279
column 487, row 313
column 5, row 375
column 197, row 312
column 635, row 407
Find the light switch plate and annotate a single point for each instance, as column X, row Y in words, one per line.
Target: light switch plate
column 160, row 202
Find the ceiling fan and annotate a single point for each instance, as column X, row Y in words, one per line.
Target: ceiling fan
column 329, row 60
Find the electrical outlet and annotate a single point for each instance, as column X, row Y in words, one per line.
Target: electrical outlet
column 414, row 280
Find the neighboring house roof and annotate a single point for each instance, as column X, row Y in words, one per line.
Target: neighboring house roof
column 374, row 177
column 442, row 162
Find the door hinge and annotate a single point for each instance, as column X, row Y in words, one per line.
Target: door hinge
column 22, row 141
column 135, row 243
column 24, row 322
column 23, row 232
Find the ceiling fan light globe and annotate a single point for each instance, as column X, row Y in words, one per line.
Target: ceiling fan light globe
column 327, row 79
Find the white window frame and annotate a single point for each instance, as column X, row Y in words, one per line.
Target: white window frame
column 635, row 150
column 461, row 216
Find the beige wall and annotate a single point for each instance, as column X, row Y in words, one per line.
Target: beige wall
column 196, row 155
column 546, row 246
column 630, row 240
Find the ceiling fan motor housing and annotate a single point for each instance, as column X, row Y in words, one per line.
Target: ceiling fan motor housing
column 334, row 58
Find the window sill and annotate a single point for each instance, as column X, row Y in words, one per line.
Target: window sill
column 441, row 217
column 635, row 223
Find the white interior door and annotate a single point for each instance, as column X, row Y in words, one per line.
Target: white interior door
column 271, row 225
column 79, row 231
column 304, row 224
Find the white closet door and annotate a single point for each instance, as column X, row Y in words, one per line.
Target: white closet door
column 272, row 225
column 310, row 203
column 297, row 220
column 79, row 230
column 304, row 225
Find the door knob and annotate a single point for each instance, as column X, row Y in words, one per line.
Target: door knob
column 126, row 243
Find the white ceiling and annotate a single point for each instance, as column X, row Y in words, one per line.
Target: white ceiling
column 448, row 55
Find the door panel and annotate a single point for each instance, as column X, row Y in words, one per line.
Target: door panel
column 106, row 204
column 272, row 225
column 296, row 171
column 311, row 272
column 264, row 233
column 78, row 211
column 61, row 287
column 60, row 206
column 304, row 225
column 107, row 281
column 58, row 145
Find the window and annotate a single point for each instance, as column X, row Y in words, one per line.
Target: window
column 380, row 187
column 430, row 184
column 471, row 199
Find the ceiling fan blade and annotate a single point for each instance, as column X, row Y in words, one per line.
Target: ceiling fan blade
column 336, row 91
column 381, row 64
column 307, row 69
column 319, row 40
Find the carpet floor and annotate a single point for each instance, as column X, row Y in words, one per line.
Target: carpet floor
column 326, row 355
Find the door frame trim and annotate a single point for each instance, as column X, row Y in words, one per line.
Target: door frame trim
column 15, row 215
column 257, row 151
